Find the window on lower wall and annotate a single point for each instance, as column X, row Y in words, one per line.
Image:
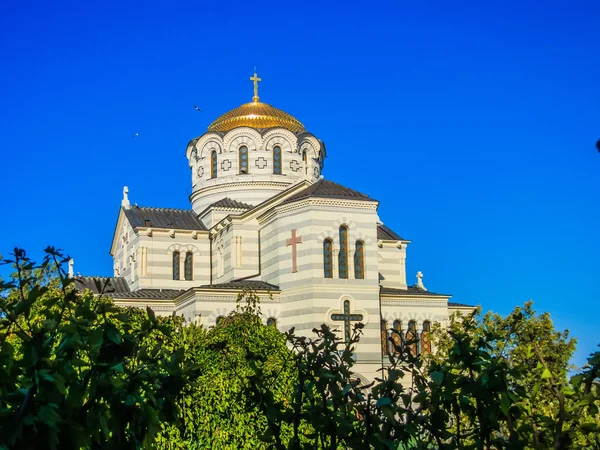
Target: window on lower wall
column 384, row 338
column 176, row 266
column 272, row 322
column 343, row 256
column 189, row 266
column 396, row 337
column 412, row 339
column 426, row 338
column 359, row 262
column 328, row 258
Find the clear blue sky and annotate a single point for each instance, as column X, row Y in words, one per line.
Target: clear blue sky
column 474, row 123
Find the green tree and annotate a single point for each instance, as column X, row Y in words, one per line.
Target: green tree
column 217, row 413
column 78, row 372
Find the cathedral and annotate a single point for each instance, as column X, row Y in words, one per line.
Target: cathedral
column 264, row 218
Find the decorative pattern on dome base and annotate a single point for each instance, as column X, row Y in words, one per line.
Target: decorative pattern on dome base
column 256, row 115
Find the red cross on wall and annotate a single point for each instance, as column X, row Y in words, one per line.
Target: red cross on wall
column 293, row 241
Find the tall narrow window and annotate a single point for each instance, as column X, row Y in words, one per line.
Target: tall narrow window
column 271, row 322
column 359, row 263
column 277, row 160
column 384, row 338
column 304, row 156
column 426, row 338
column 411, row 338
column 396, row 338
column 244, row 159
column 189, row 266
column 328, row 258
column 343, row 256
column 213, row 164
column 176, row 263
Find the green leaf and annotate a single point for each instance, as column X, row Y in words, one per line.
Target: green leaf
column 546, row 374
column 437, row 377
column 383, row 401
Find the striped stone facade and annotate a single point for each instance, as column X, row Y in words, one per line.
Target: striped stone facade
column 268, row 231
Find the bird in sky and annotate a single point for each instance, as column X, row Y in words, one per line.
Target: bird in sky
column 136, row 134
column 598, row 145
column 197, row 109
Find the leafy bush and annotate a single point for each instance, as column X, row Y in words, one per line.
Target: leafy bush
column 77, row 372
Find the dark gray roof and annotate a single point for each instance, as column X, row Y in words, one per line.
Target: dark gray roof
column 229, row 203
column 180, row 219
column 412, row 290
column 243, row 284
column 460, row 305
column 328, row 189
column 387, row 234
column 163, row 294
column 106, row 285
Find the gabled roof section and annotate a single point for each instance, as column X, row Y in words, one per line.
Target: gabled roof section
column 227, row 204
column 102, row 285
column 329, row 189
column 411, row 290
column 230, row 203
column 179, row 219
column 243, row 284
column 151, row 294
column 387, row 234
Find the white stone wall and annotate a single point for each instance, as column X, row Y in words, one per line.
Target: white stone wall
column 392, row 263
column 308, row 299
column 260, row 183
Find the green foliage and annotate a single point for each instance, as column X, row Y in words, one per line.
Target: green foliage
column 216, row 411
column 78, row 372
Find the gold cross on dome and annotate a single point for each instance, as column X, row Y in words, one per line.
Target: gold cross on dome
column 256, row 80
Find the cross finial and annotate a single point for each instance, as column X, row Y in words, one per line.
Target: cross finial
column 125, row 201
column 420, row 280
column 256, row 80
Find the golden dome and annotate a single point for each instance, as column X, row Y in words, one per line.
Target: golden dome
column 256, row 115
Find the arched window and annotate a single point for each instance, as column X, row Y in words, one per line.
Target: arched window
column 384, row 338
column 219, row 320
column 412, row 338
column 426, row 338
column 213, row 164
column 304, row 156
column 328, row 258
column 243, row 159
column 272, row 322
column 176, row 263
column 359, row 263
column 188, row 269
column 397, row 337
column 277, row 160
column 343, row 256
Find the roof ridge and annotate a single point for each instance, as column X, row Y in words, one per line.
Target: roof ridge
column 160, row 207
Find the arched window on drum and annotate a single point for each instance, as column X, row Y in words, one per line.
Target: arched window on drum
column 213, row 164
column 244, row 159
column 277, row 163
